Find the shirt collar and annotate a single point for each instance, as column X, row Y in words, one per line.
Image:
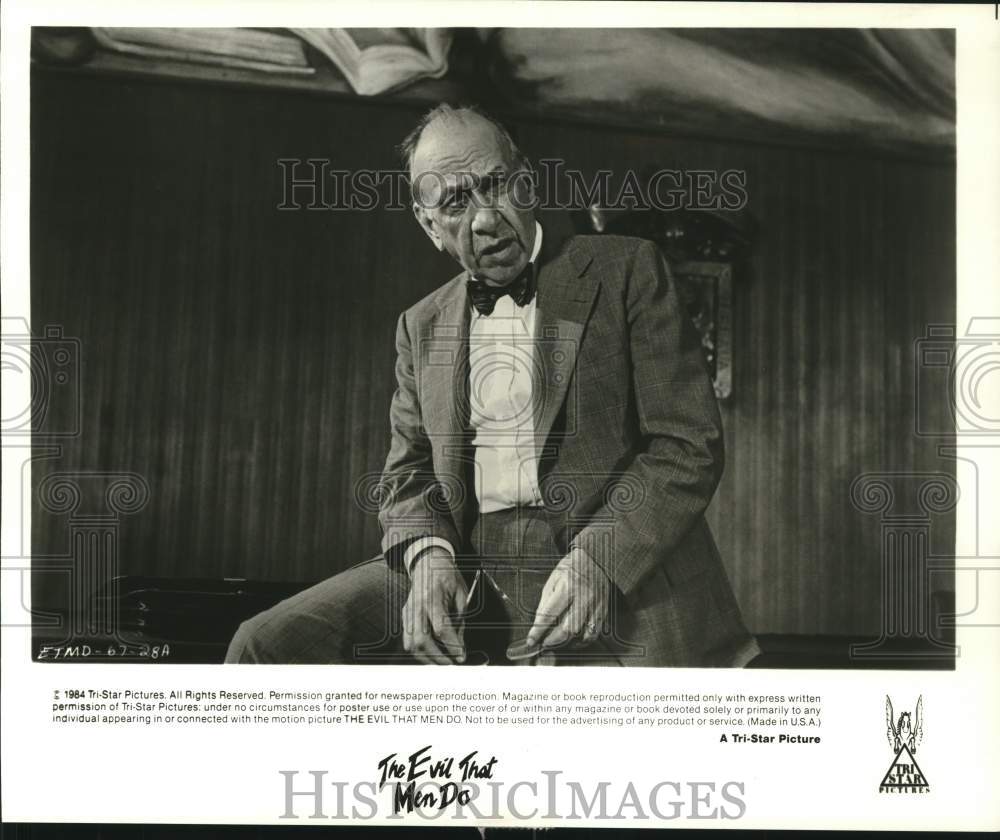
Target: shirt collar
column 538, row 243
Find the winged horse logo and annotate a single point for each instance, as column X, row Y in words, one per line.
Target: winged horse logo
column 906, row 731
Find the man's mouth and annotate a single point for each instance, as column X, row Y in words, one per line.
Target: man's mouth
column 497, row 248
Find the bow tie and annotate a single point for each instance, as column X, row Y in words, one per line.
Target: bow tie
column 484, row 296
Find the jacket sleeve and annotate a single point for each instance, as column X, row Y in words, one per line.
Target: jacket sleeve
column 672, row 478
column 412, row 503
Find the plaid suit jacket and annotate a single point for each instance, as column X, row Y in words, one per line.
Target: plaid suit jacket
column 628, row 435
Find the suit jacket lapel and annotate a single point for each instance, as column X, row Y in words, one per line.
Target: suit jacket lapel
column 444, row 363
column 565, row 300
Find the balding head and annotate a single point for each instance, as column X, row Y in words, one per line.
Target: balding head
column 444, row 118
column 472, row 191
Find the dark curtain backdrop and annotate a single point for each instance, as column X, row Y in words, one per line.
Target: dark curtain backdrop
column 239, row 357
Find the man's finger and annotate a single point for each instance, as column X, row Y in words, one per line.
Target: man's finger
column 551, row 606
column 462, row 602
column 558, row 635
column 407, row 627
column 426, row 648
column 600, row 620
column 572, row 624
column 421, row 657
column 571, row 621
column 463, row 597
column 591, row 632
column 444, row 631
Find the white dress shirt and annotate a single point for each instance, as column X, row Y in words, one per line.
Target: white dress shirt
column 501, row 360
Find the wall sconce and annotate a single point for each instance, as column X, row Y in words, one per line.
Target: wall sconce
column 701, row 247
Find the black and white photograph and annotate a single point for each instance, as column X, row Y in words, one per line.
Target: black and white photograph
column 651, row 347
column 572, row 346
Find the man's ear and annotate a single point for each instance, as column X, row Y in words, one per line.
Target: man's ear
column 427, row 223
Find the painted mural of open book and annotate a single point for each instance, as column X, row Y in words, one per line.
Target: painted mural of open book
column 374, row 60
column 237, row 47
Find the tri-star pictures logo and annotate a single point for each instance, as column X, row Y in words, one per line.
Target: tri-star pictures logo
column 904, row 734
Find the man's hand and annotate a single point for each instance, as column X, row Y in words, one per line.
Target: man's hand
column 437, row 595
column 574, row 603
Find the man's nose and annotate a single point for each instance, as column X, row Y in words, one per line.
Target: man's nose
column 485, row 221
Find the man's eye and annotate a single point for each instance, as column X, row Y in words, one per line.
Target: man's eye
column 494, row 184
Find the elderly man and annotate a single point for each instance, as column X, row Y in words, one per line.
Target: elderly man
column 555, row 442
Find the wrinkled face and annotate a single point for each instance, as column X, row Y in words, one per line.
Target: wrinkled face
column 472, row 200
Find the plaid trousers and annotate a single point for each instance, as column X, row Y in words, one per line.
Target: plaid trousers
column 355, row 617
